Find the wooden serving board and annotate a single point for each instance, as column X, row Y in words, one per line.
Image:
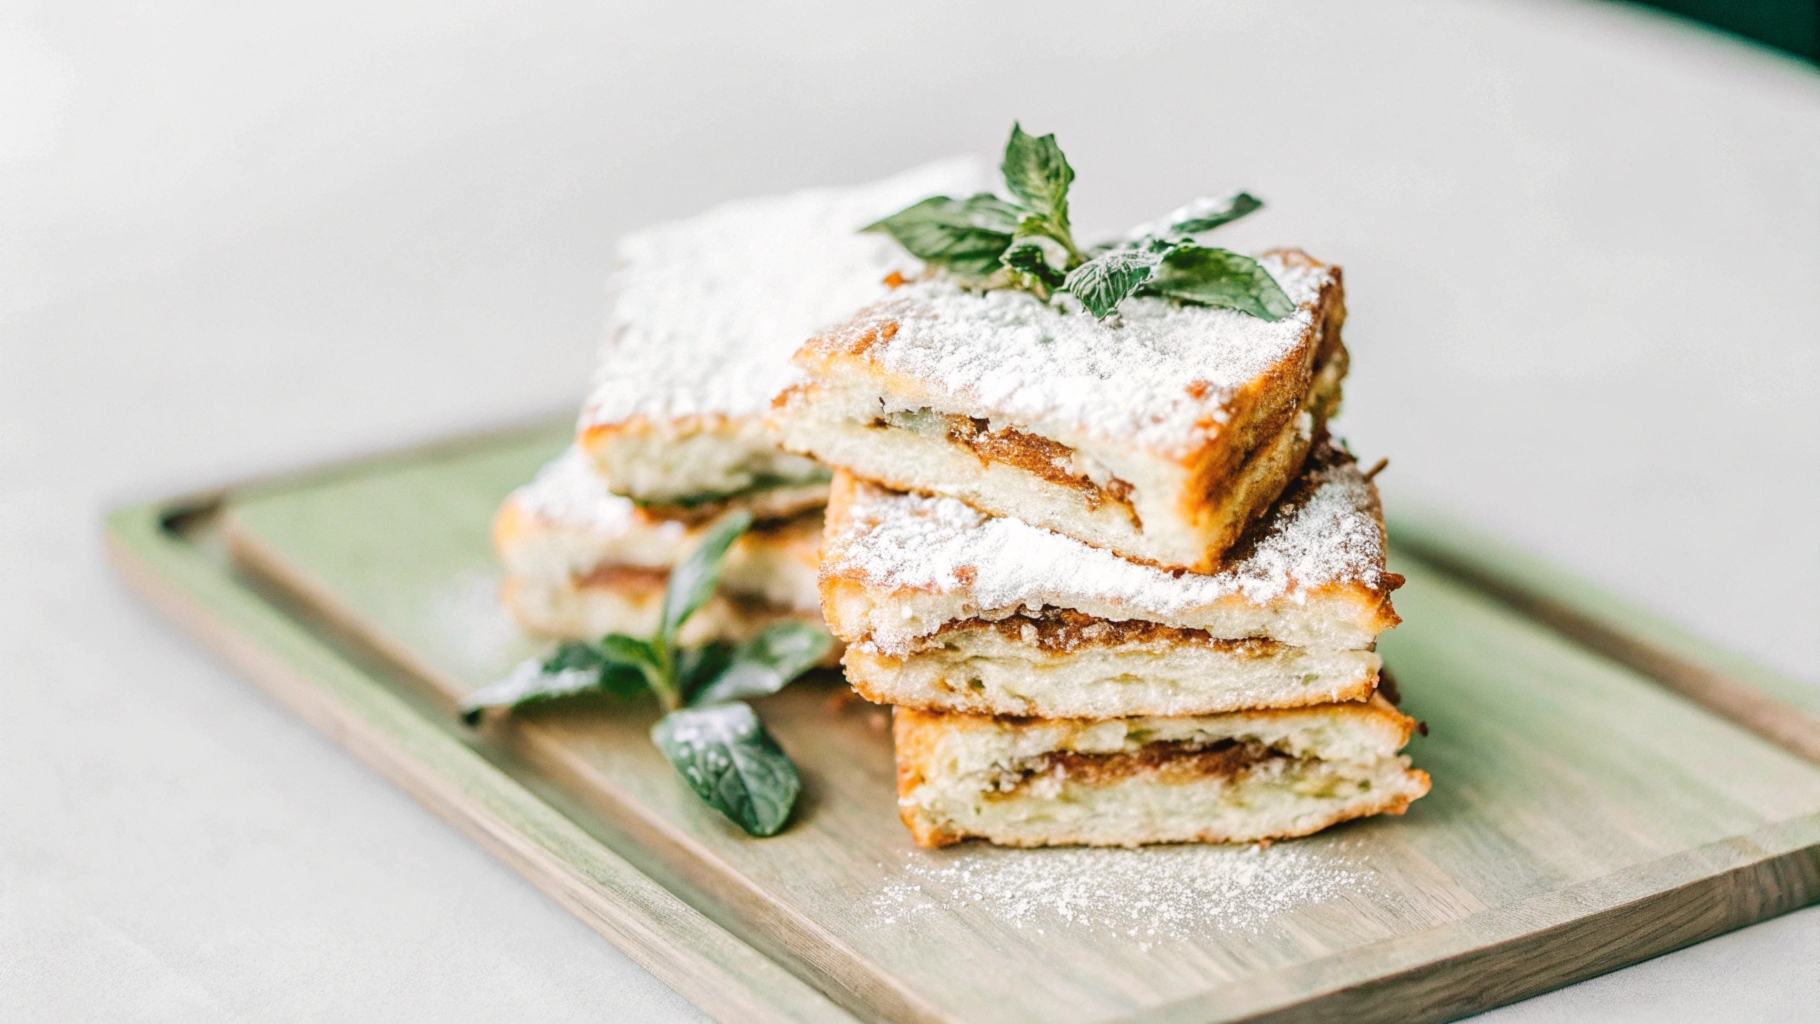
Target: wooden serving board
column 1605, row 788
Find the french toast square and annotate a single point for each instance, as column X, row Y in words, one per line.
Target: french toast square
column 1159, row 434
column 1233, row 778
column 703, row 315
column 582, row 562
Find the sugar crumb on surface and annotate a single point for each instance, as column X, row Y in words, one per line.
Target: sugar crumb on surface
column 1146, row 896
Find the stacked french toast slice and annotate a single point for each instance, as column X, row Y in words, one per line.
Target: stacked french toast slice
column 1116, row 578
column 1075, row 514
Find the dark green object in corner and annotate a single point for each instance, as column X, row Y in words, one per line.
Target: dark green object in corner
column 1789, row 25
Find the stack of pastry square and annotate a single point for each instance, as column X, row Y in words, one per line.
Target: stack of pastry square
column 1116, row 580
column 703, row 316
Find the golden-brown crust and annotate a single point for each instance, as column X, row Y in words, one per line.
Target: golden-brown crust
column 1224, row 498
column 914, row 735
column 841, row 590
column 509, row 524
column 592, row 435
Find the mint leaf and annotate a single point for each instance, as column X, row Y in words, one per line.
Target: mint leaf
column 640, row 656
column 768, row 662
column 574, row 654
column 1103, row 282
column 693, row 580
column 1207, row 214
column 526, row 684
column 1038, row 174
column 696, row 667
column 1215, row 277
column 727, row 757
column 966, row 236
column 574, row 668
column 1028, row 255
column 1032, row 237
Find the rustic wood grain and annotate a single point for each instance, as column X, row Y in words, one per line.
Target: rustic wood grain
column 701, row 960
column 1784, row 711
column 1584, row 816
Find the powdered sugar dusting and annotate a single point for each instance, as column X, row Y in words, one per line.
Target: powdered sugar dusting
column 1160, row 374
column 704, row 313
column 1325, row 531
column 1159, row 894
column 569, row 491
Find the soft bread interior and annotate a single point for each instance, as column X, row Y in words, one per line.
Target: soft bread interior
column 565, row 610
column 1227, row 778
column 698, row 460
column 1334, row 618
column 1278, row 799
column 981, row 670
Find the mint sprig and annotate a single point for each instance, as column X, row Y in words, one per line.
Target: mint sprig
column 727, row 757
column 965, row 235
column 716, row 743
column 1027, row 242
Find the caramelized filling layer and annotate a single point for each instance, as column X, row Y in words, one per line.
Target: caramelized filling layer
column 1064, row 630
column 1165, row 763
column 1048, row 460
column 624, row 577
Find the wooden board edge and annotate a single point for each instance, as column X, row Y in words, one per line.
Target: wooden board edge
column 775, row 929
column 707, row 965
column 1784, row 711
column 771, row 925
column 1539, row 945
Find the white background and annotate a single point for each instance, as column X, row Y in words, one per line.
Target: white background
column 1582, row 247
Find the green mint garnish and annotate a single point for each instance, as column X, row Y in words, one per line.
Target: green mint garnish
column 727, row 757
column 1027, row 242
column 965, row 235
column 1217, row 277
column 1038, row 174
column 1207, row 214
column 1102, row 282
column 766, row 663
column 715, row 742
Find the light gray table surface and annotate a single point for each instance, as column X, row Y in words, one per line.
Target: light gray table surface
column 1582, row 247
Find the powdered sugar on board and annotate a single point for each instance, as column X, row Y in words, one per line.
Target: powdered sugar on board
column 1159, row 894
column 1325, row 531
column 1160, row 375
column 704, row 313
